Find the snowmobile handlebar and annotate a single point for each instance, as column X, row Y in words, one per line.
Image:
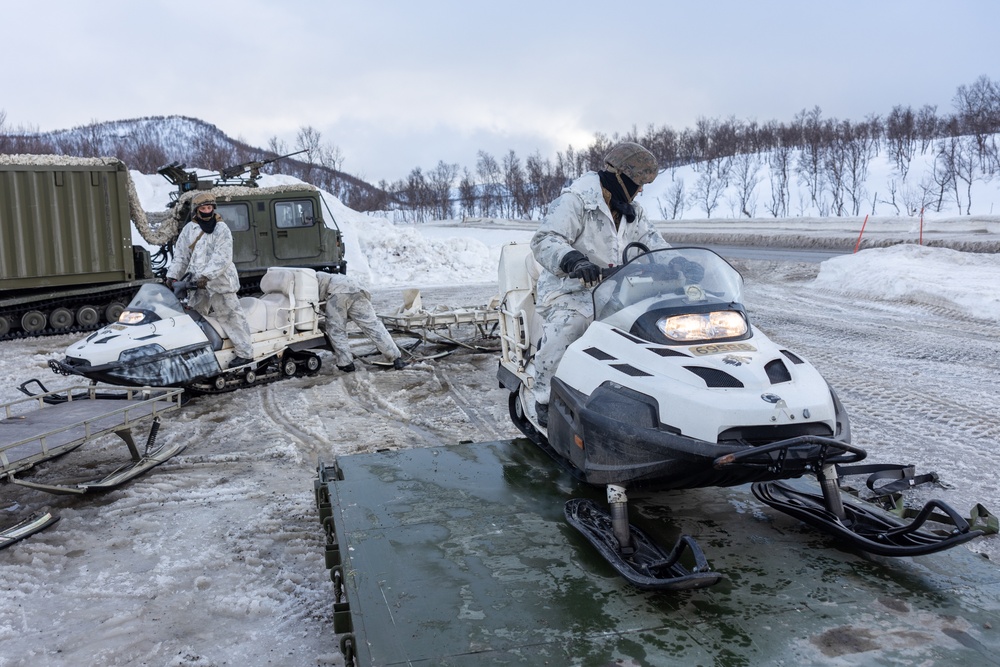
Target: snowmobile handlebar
column 181, row 286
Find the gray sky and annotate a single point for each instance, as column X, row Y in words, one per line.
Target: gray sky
column 404, row 84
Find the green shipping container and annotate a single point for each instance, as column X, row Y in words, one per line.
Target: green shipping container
column 63, row 225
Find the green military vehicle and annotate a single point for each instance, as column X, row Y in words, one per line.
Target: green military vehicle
column 67, row 258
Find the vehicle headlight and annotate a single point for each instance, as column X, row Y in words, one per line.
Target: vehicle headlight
column 131, row 317
column 703, row 326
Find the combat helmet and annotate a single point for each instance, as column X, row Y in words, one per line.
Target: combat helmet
column 201, row 199
column 632, row 160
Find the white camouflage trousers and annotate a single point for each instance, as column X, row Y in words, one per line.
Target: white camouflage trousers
column 353, row 307
column 563, row 321
column 228, row 312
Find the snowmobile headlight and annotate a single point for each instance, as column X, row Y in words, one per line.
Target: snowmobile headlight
column 703, row 326
column 131, row 317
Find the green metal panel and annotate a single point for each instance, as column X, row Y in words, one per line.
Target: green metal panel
column 461, row 556
column 238, row 217
column 60, row 225
column 297, row 229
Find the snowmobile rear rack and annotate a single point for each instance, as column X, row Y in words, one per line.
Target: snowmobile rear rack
column 46, row 425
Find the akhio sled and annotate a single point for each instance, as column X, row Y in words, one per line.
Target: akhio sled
column 159, row 342
column 671, row 387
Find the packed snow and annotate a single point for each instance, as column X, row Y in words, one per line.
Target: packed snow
column 216, row 557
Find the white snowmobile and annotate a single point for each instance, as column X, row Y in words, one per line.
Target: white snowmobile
column 671, row 387
column 159, row 342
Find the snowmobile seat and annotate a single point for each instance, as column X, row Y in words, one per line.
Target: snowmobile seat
column 256, row 313
column 210, row 327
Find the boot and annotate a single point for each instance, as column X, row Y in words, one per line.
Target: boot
column 398, row 363
column 349, row 368
column 239, row 361
column 542, row 412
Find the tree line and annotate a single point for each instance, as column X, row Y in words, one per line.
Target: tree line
column 830, row 157
column 743, row 158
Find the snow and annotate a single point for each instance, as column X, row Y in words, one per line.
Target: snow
column 216, row 557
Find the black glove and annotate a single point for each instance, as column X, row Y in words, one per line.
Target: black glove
column 576, row 264
column 202, row 282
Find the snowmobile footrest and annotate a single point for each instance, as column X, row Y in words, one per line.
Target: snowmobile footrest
column 649, row 567
column 871, row 529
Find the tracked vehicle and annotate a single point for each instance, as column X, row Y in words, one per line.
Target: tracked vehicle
column 68, row 259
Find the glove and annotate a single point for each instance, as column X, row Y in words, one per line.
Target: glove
column 169, row 282
column 586, row 271
column 576, row 264
column 202, row 282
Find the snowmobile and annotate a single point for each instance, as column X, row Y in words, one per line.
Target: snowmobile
column 158, row 341
column 671, row 387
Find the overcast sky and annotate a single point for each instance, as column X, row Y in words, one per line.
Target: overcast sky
column 404, row 84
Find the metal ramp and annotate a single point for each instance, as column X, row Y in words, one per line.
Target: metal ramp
column 461, row 556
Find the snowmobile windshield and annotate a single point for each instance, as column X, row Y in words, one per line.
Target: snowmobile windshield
column 151, row 303
column 674, row 295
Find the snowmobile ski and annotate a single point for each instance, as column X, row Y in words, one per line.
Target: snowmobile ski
column 648, row 567
column 26, row 528
column 868, row 529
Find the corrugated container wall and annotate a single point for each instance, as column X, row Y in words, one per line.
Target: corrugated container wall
column 63, row 225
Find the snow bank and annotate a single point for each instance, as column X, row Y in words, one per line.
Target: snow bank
column 962, row 281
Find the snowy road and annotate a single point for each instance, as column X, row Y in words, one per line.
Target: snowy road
column 216, row 557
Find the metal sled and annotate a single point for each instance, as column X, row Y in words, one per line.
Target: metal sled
column 448, row 326
column 49, row 424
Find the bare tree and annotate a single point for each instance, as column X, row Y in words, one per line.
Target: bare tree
column 712, row 182
column 490, row 176
column 276, row 146
column 901, row 137
column 516, row 186
column 441, row 181
column 308, row 140
column 673, row 206
column 467, row 194
column 779, row 160
column 746, row 176
column 978, row 108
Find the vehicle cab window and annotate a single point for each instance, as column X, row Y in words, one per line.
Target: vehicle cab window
column 298, row 213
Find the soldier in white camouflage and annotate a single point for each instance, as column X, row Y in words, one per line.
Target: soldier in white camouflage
column 204, row 250
column 347, row 301
column 583, row 231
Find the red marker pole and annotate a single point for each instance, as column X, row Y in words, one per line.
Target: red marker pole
column 858, row 244
column 921, row 225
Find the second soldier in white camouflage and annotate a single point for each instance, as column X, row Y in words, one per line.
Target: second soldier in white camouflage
column 347, row 301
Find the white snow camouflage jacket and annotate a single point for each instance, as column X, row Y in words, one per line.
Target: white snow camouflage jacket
column 581, row 220
column 211, row 256
column 337, row 283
